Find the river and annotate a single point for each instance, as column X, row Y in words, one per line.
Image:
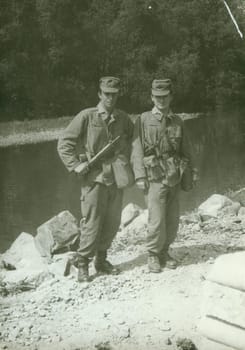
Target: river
column 34, row 185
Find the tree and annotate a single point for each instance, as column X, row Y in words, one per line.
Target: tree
column 54, row 51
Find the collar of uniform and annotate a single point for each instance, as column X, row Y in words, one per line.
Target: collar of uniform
column 158, row 114
column 104, row 114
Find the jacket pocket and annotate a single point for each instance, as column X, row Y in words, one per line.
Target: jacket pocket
column 123, row 172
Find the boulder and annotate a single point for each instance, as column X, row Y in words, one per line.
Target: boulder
column 241, row 212
column 129, row 213
column 239, row 196
column 59, row 233
column 135, row 232
column 23, row 254
column 2, row 264
column 229, row 270
column 140, row 222
column 212, row 206
column 232, row 209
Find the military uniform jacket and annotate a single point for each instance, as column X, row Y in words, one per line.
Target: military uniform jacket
column 93, row 129
column 161, row 148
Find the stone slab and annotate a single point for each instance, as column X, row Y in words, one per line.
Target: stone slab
column 224, row 303
column 229, row 270
column 223, row 333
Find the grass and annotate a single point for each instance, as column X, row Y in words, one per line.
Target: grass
column 31, row 131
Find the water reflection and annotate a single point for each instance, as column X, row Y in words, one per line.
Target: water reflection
column 34, row 185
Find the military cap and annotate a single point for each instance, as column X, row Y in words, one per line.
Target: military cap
column 110, row 84
column 161, row 87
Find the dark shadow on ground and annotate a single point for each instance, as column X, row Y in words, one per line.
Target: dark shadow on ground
column 136, row 262
column 186, row 255
column 194, row 254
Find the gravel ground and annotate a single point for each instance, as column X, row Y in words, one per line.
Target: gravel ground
column 133, row 310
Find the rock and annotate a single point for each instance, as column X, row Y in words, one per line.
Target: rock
column 59, row 233
column 232, row 209
column 130, row 212
column 2, row 264
column 23, row 254
column 139, row 223
column 224, row 303
column 42, row 313
column 223, row 333
column 24, row 279
column 185, row 344
column 61, row 264
column 168, row 341
column 124, row 332
column 239, row 196
column 241, row 212
column 103, row 346
column 229, row 270
column 212, row 206
column 191, row 218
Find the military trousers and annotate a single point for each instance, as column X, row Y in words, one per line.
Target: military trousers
column 163, row 221
column 101, row 208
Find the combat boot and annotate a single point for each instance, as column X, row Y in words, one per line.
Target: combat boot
column 167, row 261
column 154, row 264
column 104, row 266
column 82, row 275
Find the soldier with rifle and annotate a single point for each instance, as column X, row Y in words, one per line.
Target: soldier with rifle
column 105, row 134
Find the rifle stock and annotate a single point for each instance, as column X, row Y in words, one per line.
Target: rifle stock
column 84, row 167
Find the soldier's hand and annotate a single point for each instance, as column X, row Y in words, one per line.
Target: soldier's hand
column 142, row 184
column 82, row 169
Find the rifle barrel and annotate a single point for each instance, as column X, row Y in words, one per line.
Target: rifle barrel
column 103, row 151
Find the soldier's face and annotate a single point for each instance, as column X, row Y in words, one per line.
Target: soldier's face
column 108, row 99
column 162, row 102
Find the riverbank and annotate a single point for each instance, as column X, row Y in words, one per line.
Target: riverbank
column 42, row 130
column 31, row 131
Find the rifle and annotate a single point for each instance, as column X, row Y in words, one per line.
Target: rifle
column 85, row 167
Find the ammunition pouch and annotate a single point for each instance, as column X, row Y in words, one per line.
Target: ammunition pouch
column 123, row 172
column 165, row 167
column 153, row 168
column 172, row 171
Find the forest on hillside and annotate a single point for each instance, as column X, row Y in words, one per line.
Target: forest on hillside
column 54, row 51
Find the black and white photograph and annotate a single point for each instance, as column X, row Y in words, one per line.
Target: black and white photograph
column 122, row 175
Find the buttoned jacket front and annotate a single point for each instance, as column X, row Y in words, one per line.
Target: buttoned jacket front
column 93, row 130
